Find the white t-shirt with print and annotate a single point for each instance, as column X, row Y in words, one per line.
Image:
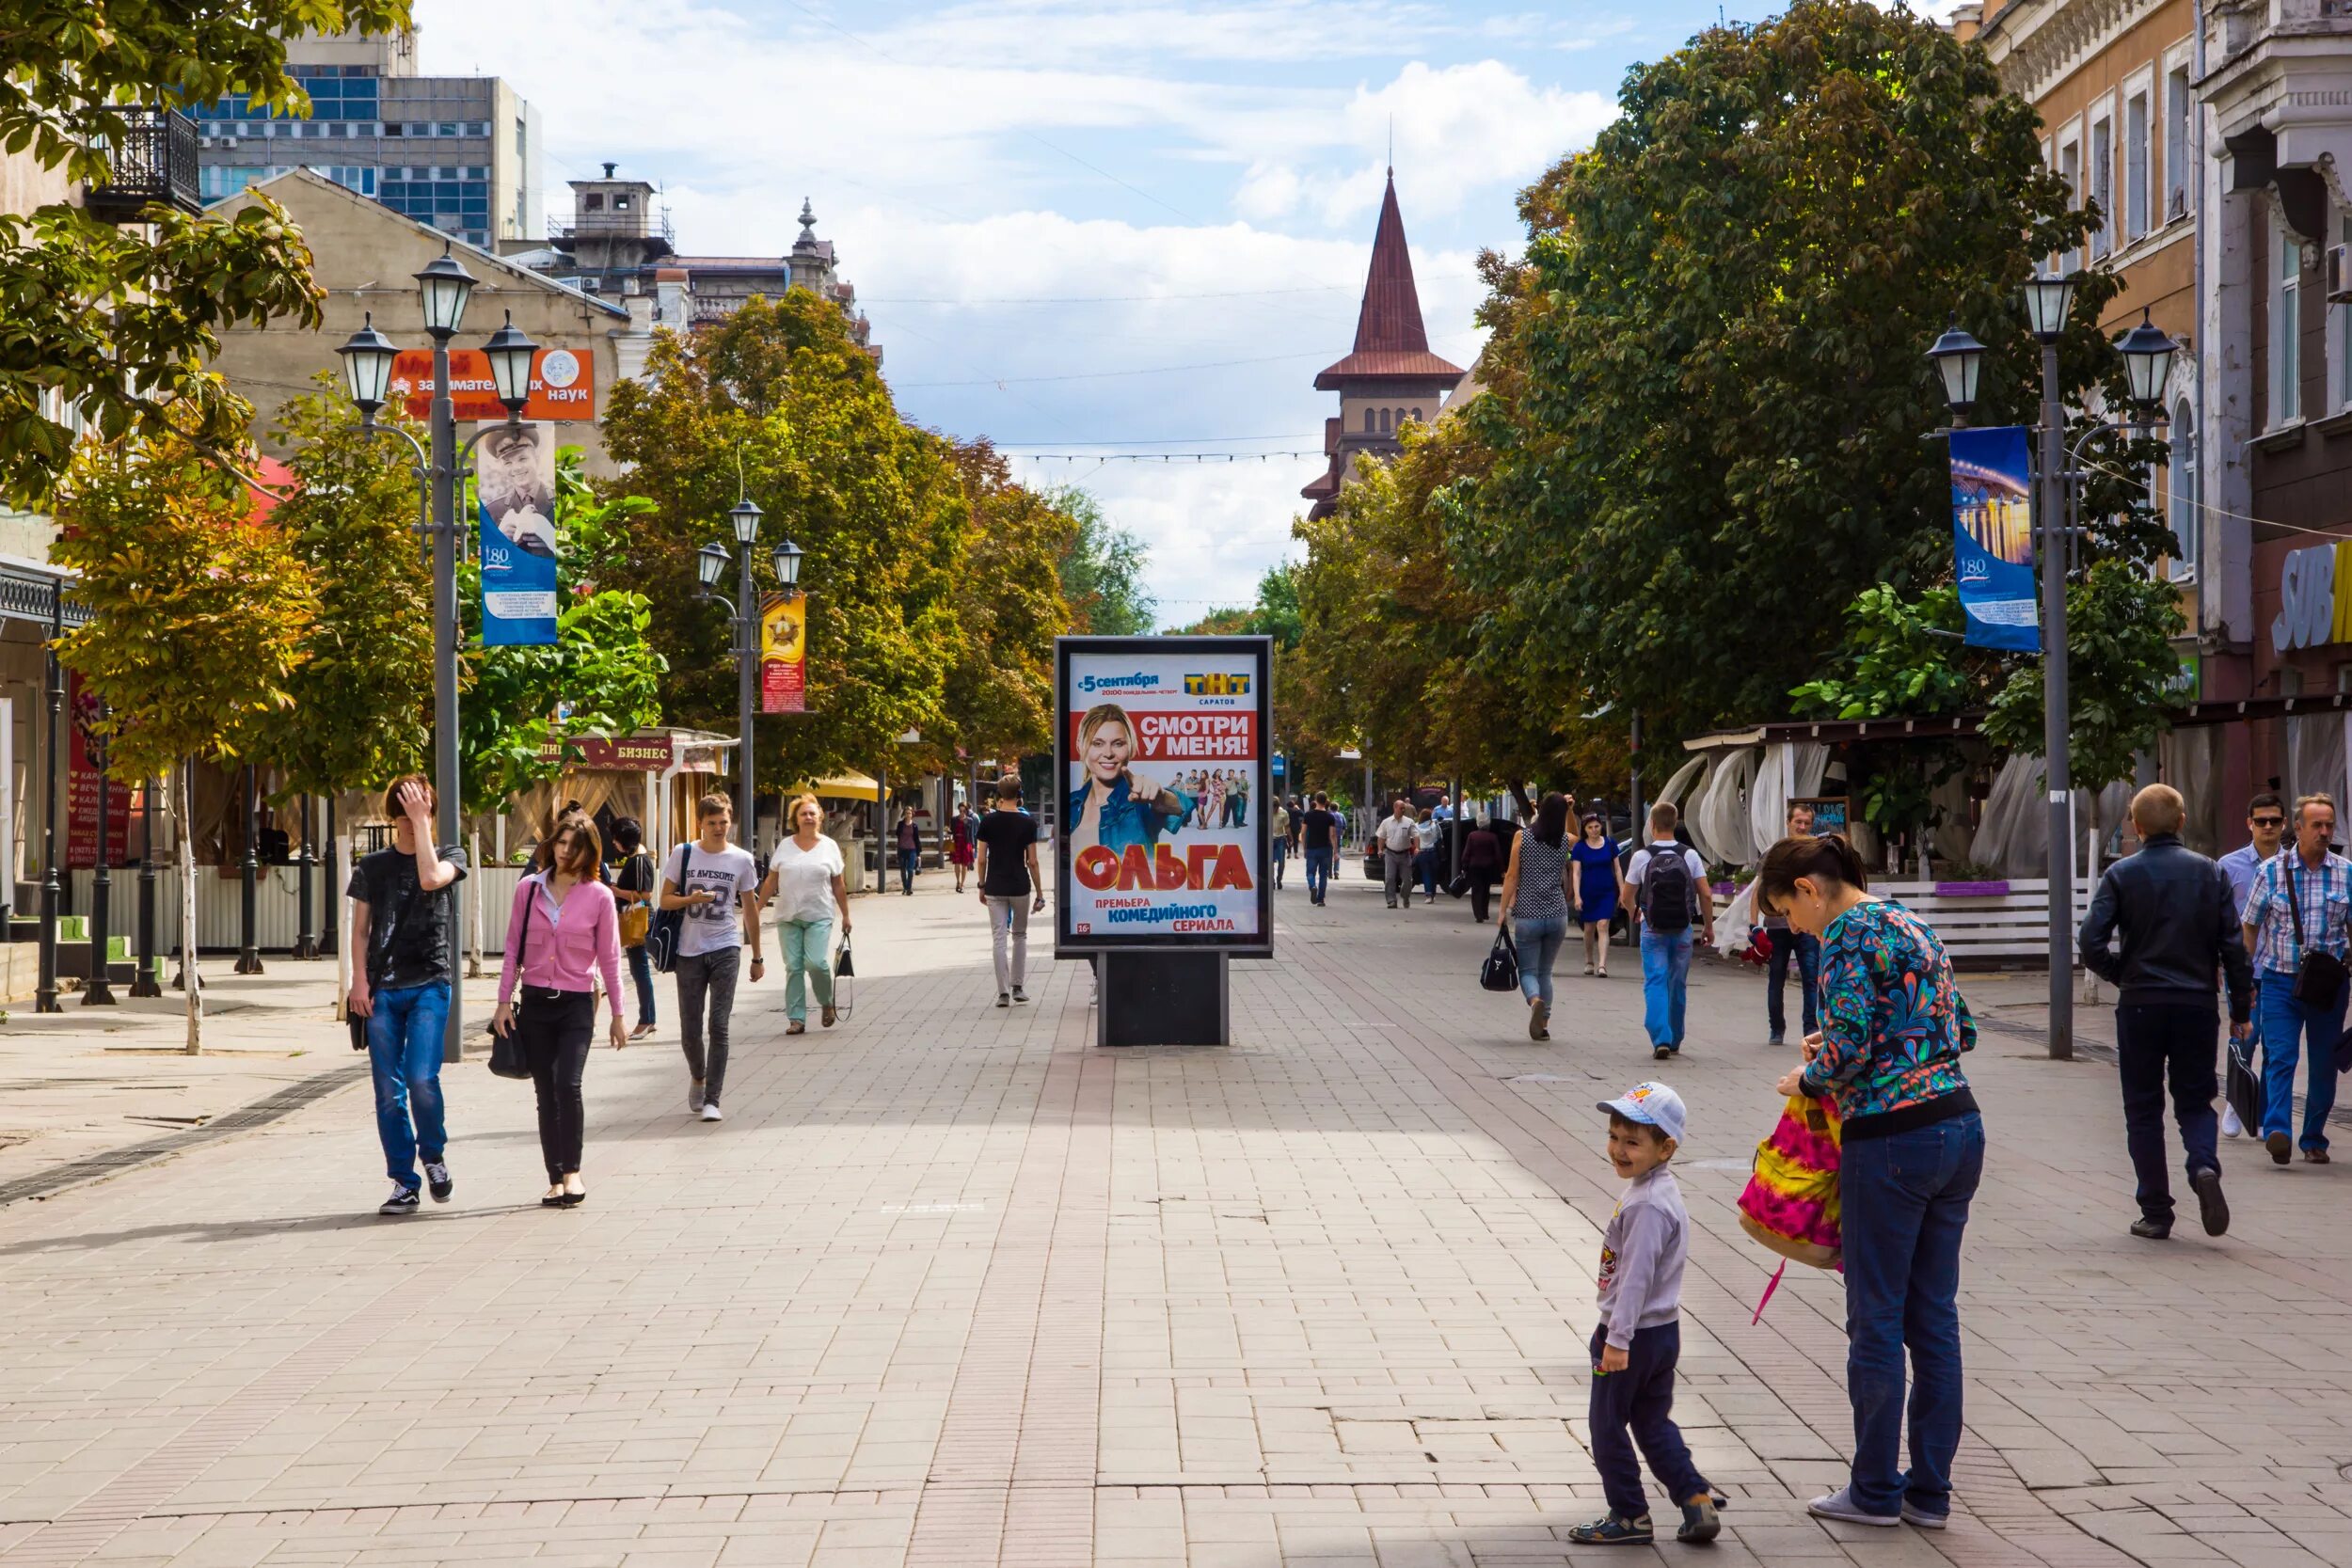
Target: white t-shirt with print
column 730, row 877
column 805, row 880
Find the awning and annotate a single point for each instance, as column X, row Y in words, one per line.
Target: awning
column 841, row 786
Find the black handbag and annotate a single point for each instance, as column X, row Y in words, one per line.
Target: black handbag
column 507, row 1058
column 2242, row 1086
column 2318, row 977
column 661, row 937
column 844, row 983
column 1500, row 971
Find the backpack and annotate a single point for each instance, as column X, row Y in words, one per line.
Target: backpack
column 1669, row 894
column 668, row 926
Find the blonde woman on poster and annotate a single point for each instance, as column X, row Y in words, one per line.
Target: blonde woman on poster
column 1116, row 807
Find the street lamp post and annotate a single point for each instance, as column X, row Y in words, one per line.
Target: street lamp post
column 2147, row 355
column 145, row 982
column 444, row 287
column 710, row 565
column 100, row 992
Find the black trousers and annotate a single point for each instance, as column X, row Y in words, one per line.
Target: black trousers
column 556, row 1028
column 2159, row 1046
column 1636, row 1406
column 1482, row 887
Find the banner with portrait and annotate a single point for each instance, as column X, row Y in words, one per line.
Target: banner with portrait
column 783, row 654
column 515, row 482
column 1992, row 538
column 1162, row 791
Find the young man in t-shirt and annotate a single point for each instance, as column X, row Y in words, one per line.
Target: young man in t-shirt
column 716, row 882
column 1012, row 889
column 1665, row 884
column 404, row 926
column 1319, row 833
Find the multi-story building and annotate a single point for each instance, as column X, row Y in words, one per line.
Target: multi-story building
column 460, row 153
column 1390, row 378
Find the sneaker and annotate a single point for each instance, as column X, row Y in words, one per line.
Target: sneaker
column 1659, row 1052
column 1778, row 1038
column 1920, row 1519
column 2149, row 1228
column 710, row 1111
column 2281, row 1147
column 694, row 1099
column 2231, row 1126
column 403, row 1201
column 1840, row 1505
column 437, row 1177
column 1004, row 999
column 1609, row 1531
column 1020, row 995
column 1699, row 1524
column 2211, row 1206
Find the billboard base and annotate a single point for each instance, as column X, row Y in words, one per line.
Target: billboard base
column 1146, row 998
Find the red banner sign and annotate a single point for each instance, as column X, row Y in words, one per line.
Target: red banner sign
column 562, row 385
column 1188, row 736
column 784, row 654
column 629, row 753
column 84, row 784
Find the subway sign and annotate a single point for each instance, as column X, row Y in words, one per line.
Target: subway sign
column 2313, row 610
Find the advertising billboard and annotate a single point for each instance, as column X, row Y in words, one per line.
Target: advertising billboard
column 783, row 654
column 515, row 482
column 1993, row 544
column 562, row 385
column 1161, row 792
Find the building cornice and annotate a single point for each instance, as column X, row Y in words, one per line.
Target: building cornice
column 2037, row 44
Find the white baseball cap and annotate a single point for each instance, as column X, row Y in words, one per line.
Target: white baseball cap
column 1653, row 1104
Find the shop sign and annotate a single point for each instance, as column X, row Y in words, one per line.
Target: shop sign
column 2310, row 611
column 629, row 754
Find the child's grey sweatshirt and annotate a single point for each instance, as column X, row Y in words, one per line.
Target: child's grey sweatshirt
column 1641, row 1257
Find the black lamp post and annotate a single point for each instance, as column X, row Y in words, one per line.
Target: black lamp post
column 45, row 987
column 99, row 992
column 248, row 876
column 710, row 565
column 306, row 936
column 443, row 287
column 145, row 983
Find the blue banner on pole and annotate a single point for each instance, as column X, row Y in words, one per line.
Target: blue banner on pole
column 1992, row 538
column 514, row 478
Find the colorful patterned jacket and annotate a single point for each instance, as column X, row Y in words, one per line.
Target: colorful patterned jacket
column 1893, row 1023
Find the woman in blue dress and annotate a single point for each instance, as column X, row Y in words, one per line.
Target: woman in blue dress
column 1117, row 807
column 1594, row 857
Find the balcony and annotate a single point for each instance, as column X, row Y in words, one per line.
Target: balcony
column 155, row 163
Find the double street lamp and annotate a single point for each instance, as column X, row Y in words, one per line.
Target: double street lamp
column 710, row 565
column 444, row 287
column 1958, row 360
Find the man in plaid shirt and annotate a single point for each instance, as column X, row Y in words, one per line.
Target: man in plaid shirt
column 2322, row 892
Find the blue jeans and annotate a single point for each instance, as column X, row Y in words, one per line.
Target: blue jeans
column 1904, row 1206
column 908, row 860
column 404, row 1058
column 641, row 976
column 1318, row 872
column 2284, row 1022
column 1538, row 941
column 1665, row 985
column 1637, row 1406
column 1806, row 950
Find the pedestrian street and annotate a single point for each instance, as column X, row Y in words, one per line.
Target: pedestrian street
column 950, row 1286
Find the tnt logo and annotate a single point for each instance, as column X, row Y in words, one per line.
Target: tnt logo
column 1217, row 686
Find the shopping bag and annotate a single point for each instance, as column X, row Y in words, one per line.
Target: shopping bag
column 1501, row 970
column 1791, row 1203
column 844, row 982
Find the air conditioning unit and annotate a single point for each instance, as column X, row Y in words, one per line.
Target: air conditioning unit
column 2340, row 275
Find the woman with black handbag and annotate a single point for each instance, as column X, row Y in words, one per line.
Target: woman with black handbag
column 564, row 929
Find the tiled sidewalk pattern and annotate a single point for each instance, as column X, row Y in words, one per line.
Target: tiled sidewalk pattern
column 951, row 1287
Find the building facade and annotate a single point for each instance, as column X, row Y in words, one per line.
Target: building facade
column 460, row 153
column 1390, row 378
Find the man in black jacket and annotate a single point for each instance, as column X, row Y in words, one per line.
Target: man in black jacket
column 2178, row 924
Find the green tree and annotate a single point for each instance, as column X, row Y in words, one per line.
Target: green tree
column 2123, row 673
column 199, row 620
column 999, row 698
column 1102, row 570
column 1707, row 385
column 117, row 325
column 780, row 395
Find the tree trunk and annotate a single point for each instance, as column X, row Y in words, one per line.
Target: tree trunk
column 1527, row 807
column 183, row 806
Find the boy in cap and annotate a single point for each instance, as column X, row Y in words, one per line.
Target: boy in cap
column 1640, row 1337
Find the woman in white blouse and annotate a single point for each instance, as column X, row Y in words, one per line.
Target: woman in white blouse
column 804, row 885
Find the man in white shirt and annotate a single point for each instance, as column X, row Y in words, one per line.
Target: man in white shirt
column 1398, row 839
column 716, row 884
column 1665, row 886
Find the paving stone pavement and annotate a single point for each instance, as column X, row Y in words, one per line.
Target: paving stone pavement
column 951, row 1287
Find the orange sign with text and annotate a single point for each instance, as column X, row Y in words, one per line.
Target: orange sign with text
column 562, row 385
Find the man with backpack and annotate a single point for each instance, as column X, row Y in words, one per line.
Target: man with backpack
column 1666, row 885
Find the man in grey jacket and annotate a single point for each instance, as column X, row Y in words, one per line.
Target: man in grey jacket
column 2178, row 923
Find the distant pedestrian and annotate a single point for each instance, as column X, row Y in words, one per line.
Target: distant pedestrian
column 1279, row 838
column 1011, row 887
column 1667, row 887
column 635, row 888
column 1536, row 902
column 806, row 886
column 1482, row 862
column 2179, row 926
column 1319, row 837
column 1788, row 944
column 909, row 846
column 403, row 926
column 562, row 933
column 715, row 882
column 1638, row 1345
column 2300, row 907
column 1595, row 858
column 1398, row 838
column 1426, row 829
column 2265, row 826
column 1894, row 1027
column 959, row 853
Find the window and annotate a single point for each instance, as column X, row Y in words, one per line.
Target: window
column 2134, row 167
column 1371, row 422
column 591, row 202
column 1388, row 420
column 445, row 128
column 2177, row 176
column 2069, row 168
column 1416, row 413
column 2180, row 499
column 2102, row 192
column 620, row 203
column 2286, row 317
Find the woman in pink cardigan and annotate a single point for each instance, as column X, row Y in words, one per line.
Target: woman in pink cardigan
column 564, row 927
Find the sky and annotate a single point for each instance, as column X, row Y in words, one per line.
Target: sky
column 1091, row 230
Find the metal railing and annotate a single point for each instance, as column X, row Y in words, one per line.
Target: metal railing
column 154, row 162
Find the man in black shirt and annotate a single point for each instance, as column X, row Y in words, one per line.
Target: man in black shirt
column 405, row 929
column 1010, row 887
column 1319, row 830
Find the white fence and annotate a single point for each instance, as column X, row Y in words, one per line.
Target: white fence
column 277, row 906
column 1991, row 921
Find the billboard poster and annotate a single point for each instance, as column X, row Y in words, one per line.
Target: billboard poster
column 562, row 386
column 1992, row 538
column 1160, row 798
column 783, row 654
column 514, row 479
column 86, row 782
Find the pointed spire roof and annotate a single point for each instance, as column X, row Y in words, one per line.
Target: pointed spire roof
column 1391, row 339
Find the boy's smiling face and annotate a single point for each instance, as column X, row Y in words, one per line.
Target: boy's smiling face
column 1636, row 1149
